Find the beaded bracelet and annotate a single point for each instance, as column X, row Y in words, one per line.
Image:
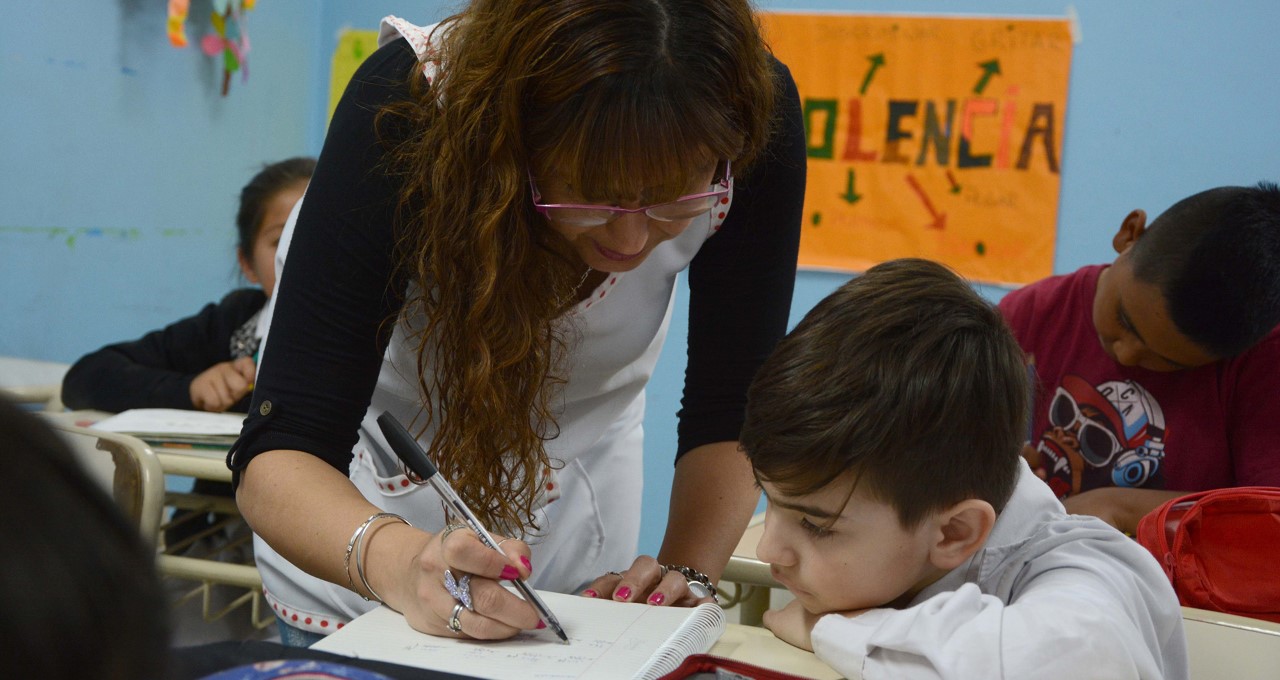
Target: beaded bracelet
column 356, row 544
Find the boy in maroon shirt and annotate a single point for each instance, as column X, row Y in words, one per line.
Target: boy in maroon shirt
column 1160, row 374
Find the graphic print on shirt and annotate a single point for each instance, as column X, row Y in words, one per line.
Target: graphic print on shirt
column 1112, row 434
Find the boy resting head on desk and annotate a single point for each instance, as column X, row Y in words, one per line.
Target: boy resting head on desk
column 1156, row 374
column 885, row 432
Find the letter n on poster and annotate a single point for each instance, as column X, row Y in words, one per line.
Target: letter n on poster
column 934, row 137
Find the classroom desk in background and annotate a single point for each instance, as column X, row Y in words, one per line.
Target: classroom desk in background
column 225, row 565
column 31, row 381
column 175, row 459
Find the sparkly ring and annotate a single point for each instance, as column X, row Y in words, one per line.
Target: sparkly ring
column 455, row 624
column 459, row 588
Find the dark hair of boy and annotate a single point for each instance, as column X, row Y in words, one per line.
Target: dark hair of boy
column 904, row 377
column 1215, row 256
column 79, row 587
column 255, row 195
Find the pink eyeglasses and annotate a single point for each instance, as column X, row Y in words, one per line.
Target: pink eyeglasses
column 585, row 216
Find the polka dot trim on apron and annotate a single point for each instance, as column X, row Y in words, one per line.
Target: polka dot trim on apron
column 600, row 292
column 308, row 621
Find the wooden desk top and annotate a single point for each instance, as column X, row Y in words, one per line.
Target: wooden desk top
column 759, row 647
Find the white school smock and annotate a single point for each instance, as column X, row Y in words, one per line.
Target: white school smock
column 1049, row 595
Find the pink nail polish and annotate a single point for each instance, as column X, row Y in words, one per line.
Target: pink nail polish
column 509, row 573
column 657, row 598
column 542, row 624
column 623, row 593
column 527, row 564
column 590, row 593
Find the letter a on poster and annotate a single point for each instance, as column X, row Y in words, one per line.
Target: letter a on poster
column 935, row 137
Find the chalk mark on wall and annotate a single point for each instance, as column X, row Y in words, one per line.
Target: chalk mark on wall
column 71, row 235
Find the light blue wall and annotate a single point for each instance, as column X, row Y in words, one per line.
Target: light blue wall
column 107, row 128
column 122, row 164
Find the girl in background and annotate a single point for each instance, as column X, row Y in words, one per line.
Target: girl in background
column 203, row 362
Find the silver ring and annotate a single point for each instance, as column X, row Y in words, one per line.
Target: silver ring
column 615, row 573
column 664, row 569
column 455, row 624
column 450, row 528
column 498, row 545
column 459, row 588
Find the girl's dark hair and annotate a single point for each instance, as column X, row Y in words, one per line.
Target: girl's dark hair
column 615, row 95
column 905, row 379
column 254, row 197
column 78, row 584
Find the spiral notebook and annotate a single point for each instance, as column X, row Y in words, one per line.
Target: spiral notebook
column 606, row 640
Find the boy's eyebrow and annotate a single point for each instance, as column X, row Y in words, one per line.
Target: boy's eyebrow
column 806, row 509
column 1128, row 324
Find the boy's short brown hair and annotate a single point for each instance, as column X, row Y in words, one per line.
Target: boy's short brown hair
column 904, row 377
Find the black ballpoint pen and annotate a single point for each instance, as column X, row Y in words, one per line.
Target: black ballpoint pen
column 407, row 448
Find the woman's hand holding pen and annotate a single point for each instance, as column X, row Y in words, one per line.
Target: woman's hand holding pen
column 427, row 604
column 645, row 581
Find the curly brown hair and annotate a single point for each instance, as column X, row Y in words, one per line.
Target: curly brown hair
column 617, row 96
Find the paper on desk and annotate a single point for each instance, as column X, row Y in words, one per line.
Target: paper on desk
column 175, row 425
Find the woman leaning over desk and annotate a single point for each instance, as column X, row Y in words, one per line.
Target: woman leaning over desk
column 434, row 272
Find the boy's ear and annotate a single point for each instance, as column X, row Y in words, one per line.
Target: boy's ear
column 963, row 528
column 245, row 268
column 1133, row 226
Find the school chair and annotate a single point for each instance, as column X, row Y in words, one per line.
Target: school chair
column 126, row 467
column 750, row 577
column 1228, row 646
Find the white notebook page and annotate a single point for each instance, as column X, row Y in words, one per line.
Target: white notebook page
column 606, row 640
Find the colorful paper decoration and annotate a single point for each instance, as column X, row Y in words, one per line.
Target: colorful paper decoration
column 229, row 39
column 177, row 22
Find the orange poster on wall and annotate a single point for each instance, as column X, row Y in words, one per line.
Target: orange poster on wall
column 933, row 137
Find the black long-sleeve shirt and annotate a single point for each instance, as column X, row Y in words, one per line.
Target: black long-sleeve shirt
column 156, row 370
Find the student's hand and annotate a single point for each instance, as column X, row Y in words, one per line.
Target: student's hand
column 1118, row 506
column 497, row 613
column 220, row 386
column 645, row 581
column 792, row 624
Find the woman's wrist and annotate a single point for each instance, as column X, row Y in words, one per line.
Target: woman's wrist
column 389, row 549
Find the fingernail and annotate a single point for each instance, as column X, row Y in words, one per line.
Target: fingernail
column 623, row 593
column 509, row 573
column 541, row 624
column 527, row 564
column 657, row 598
column 590, row 593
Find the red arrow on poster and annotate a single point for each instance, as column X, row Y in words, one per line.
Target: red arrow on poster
column 939, row 219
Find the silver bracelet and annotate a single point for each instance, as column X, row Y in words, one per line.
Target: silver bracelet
column 357, row 543
column 699, row 583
